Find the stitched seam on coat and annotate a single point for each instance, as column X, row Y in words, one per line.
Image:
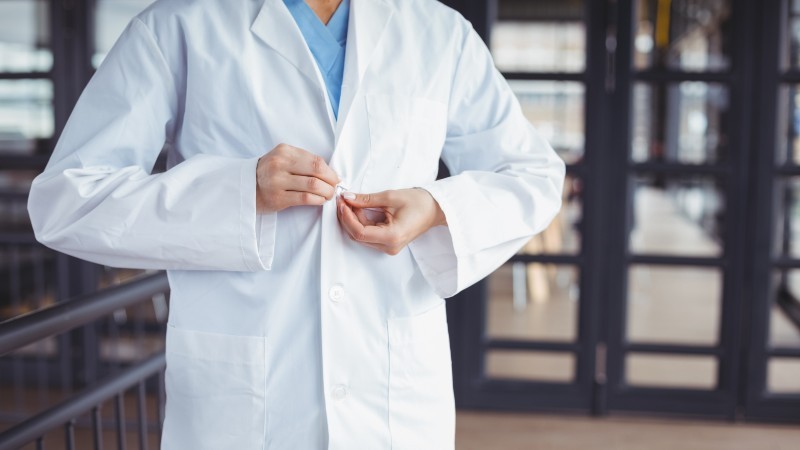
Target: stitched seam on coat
column 242, row 219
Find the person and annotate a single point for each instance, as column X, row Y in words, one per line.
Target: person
column 308, row 244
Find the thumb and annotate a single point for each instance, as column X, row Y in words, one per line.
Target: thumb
column 374, row 200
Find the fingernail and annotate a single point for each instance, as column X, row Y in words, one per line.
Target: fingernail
column 349, row 195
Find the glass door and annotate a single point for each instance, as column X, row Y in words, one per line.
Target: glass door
column 669, row 282
column 529, row 336
column 675, row 291
column 774, row 359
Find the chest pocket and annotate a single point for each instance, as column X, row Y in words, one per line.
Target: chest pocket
column 406, row 136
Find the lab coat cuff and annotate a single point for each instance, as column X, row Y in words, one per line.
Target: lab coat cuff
column 258, row 230
column 437, row 250
column 438, row 263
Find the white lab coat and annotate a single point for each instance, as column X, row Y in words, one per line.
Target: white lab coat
column 283, row 333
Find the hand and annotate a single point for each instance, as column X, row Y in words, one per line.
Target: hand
column 290, row 176
column 387, row 221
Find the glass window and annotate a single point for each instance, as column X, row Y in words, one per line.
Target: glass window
column 26, row 114
column 686, row 371
column 111, row 18
column 787, row 217
column 14, row 207
column 555, row 108
column 532, row 366
column 677, row 216
column 783, row 375
column 789, row 125
column 683, row 122
column 24, row 36
column 533, row 301
column 676, row 305
column 539, row 46
column 682, row 34
column 793, row 35
column 784, row 330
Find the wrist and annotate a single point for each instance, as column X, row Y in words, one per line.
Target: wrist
column 437, row 215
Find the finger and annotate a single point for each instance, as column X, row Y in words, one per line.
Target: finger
column 361, row 215
column 294, row 198
column 339, row 205
column 373, row 234
column 309, row 164
column 375, row 200
column 313, row 185
column 378, row 247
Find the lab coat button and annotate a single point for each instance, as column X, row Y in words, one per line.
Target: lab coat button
column 339, row 392
column 336, row 293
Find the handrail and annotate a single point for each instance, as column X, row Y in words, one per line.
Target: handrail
column 28, row 328
column 80, row 404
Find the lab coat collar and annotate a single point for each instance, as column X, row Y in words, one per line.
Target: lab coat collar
column 276, row 27
column 368, row 19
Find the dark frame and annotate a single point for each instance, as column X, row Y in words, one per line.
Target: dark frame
column 759, row 403
column 746, row 178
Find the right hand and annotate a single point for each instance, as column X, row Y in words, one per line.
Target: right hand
column 290, row 176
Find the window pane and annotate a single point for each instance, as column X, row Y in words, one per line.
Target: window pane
column 15, row 184
column 533, row 301
column 793, row 35
column 686, row 35
column 784, row 331
column 111, row 17
column 783, row 376
column 562, row 236
column 677, row 305
column 540, row 46
column 787, row 217
column 533, row 366
column 28, row 281
column 26, row 114
column 683, row 122
column 699, row 372
column 24, row 36
column 789, row 125
column 677, row 216
column 555, row 108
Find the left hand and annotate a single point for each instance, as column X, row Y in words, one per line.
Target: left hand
column 387, row 221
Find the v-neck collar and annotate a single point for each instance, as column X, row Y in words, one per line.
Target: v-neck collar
column 324, row 41
column 368, row 20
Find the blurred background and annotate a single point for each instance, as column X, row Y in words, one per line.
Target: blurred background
column 668, row 285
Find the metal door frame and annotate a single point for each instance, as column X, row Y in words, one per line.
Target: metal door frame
column 466, row 312
column 745, row 263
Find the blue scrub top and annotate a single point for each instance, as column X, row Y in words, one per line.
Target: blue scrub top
column 326, row 42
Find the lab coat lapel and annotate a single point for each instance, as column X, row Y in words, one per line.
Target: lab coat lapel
column 368, row 20
column 276, row 27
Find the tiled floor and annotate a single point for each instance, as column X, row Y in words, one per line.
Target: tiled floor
column 500, row 431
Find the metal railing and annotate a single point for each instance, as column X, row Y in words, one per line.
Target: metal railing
column 63, row 317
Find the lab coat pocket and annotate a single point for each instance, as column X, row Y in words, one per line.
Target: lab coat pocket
column 406, row 136
column 215, row 391
column 421, row 404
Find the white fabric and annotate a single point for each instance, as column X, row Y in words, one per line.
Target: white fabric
column 283, row 333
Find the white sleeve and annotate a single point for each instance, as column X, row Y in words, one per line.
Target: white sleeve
column 97, row 200
column 506, row 184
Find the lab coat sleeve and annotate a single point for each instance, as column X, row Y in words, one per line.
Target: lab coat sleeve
column 506, row 184
column 97, row 200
